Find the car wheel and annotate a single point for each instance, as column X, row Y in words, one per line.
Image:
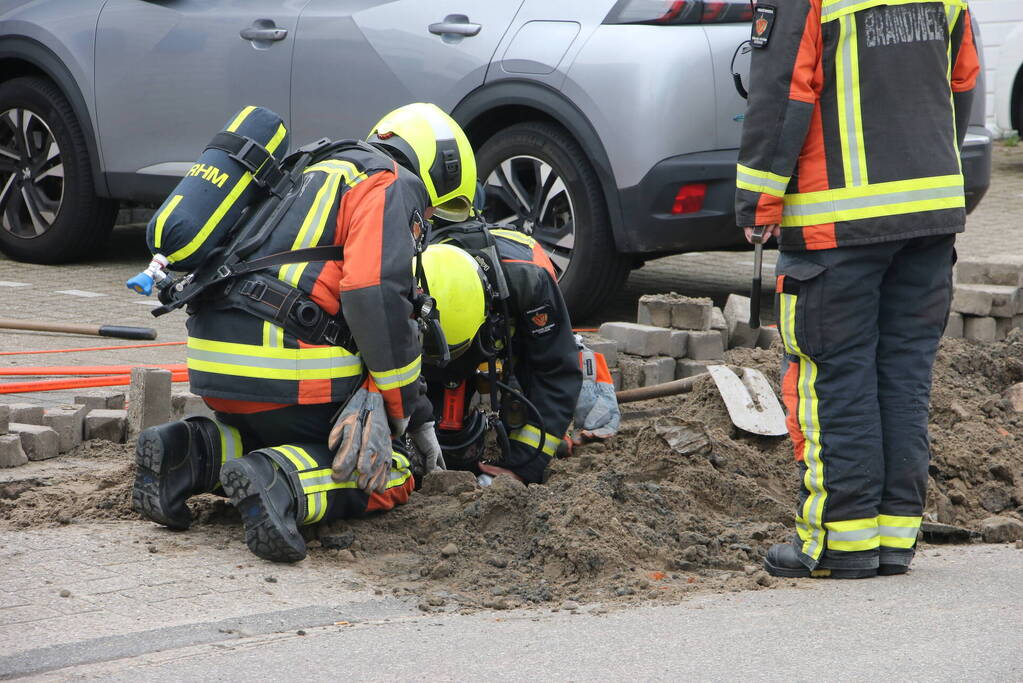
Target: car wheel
column 49, row 211
column 539, row 180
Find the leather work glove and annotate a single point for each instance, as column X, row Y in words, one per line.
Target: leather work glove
column 425, row 439
column 597, row 415
column 361, row 441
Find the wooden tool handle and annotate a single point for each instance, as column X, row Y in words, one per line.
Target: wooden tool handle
column 679, row 386
column 74, row 328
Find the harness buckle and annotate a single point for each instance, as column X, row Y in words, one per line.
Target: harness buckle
column 224, row 271
column 254, row 289
column 332, row 332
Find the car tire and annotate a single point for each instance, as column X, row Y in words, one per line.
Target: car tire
column 568, row 213
column 49, row 211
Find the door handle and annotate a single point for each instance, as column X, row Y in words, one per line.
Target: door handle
column 455, row 25
column 272, row 34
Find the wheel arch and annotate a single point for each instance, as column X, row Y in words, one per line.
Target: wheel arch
column 21, row 56
column 488, row 109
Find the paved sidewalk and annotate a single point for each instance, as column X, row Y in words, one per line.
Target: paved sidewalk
column 957, row 616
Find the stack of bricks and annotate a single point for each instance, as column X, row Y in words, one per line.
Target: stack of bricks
column 987, row 300
column 29, row 432
column 675, row 337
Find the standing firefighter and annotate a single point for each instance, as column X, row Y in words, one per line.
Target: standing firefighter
column 277, row 351
column 850, row 156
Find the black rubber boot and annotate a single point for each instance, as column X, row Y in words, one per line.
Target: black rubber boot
column 783, row 560
column 174, row 461
column 266, row 502
column 885, row 569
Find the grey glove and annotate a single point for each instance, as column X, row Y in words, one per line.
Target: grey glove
column 597, row 415
column 361, row 440
column 425, row 439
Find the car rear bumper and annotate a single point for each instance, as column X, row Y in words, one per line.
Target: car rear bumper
column 976, row 165
column 652, row 228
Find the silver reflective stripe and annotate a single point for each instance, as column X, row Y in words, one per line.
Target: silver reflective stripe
column 853, row 534
column 835, row 206
column 312, row 228
column 274, row 363
column 899, row 531
column 769, row 183
column 848, row 102
column 322, row 478
column 230, row 442
column 389, row 380
column 808, row 371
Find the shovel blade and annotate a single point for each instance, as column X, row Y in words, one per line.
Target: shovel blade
column 751, row 403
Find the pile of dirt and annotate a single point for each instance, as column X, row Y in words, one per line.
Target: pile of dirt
column 91, row 483
column 680, row 501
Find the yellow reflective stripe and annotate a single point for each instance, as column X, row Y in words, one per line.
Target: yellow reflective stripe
column 162, row 218
column 850, row 120
column 760, row 181
column 299, row 456
column 256, row 351
column 394, row 379
column 809, row 523
column 854, row 546
column 787, row 322
column 870, row 201
column 238, row 120
column 835, row 9
column 349, row 171
column 230, row 442
column 898, row 531
column 229, row 200
column 530, row 436
column 853, row 534
column 273, row 335
column 515, row 236
column 312, row 226
column 896, row 521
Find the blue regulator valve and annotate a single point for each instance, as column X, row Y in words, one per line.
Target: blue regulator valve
column 154, row 272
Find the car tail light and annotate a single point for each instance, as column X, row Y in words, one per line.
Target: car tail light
column 674, row 12
column 690, row 198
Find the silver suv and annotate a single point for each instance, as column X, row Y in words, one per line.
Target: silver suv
column 606, row 128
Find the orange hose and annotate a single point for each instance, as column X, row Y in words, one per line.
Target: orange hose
column 92, row 348
column 76, row 383
column 74, row 370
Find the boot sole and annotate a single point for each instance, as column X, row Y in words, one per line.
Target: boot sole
column 805, row 573
column 267, row 533
column 145, row 493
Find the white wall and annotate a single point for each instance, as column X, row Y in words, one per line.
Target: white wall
column 1001, row 25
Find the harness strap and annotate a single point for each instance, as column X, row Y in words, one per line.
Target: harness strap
column 278, row 303
column 265, row 170
column 308, row 255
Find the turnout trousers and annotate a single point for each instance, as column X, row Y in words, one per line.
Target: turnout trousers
column 295, row 439
column 861, row 327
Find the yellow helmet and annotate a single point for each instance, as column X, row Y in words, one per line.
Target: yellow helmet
column 437, row 150
column 458, row 286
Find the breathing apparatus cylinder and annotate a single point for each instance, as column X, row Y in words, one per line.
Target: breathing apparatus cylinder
column 200, row 212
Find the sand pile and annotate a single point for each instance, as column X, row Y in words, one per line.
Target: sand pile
column 679, row 501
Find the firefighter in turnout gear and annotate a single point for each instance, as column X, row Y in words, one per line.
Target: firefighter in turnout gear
column 850, row 156
column 517, row 348
column 278, row 380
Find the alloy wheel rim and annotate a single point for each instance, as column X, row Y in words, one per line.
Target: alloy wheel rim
column 527, row 193
column 31, row 174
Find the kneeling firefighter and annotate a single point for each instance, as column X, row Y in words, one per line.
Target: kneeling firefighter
column 302, row 321
column 509, row 335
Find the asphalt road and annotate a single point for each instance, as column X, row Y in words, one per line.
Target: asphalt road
column 958, row 616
